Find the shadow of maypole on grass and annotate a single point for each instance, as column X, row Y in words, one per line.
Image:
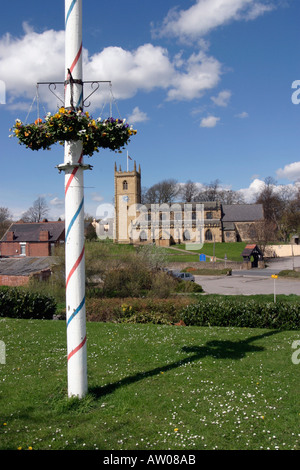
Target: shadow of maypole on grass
column 217, row 349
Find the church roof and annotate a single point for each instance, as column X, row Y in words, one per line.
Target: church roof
column 242, row 212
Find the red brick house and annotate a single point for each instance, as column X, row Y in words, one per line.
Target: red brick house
column 32, row 239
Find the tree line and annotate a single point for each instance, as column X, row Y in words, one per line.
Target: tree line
column 170, row 190
column 281, row 204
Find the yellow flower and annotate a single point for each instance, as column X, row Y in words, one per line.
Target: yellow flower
column 19, row 448
column 29, row 448
column 176, row 429
column 62, row 110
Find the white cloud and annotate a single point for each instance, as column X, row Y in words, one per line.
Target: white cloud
column 137, row 116
column 57, row 202
column 206, row 15
column 30, row 59
column 222, row 99
column 242, row 115
column 144, row 69
column 96, row 197
column 201, row 74
column 290, row 172
column 251, row 192
column 210, row 121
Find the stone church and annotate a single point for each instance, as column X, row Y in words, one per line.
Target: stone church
column 167, row 224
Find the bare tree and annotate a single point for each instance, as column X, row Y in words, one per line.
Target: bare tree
column 38, row 211
column 164, row 192
column 5, row 220
column 228, row 196
column 4, row 214
column 271, row 201
column 189, row 191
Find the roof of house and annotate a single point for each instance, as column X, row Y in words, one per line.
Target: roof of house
column 242, row 212
column 24, row 266
column 30, row 231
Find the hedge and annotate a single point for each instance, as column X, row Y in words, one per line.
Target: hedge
column 137, row 310
column 17, row 303
column 246, row 313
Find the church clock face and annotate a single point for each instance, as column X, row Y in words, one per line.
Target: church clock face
column 125, row 198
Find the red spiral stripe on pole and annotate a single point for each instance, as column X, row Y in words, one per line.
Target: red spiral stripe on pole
column 76, row 59
column 75, row 267
column 73, row 174
column 77, row 349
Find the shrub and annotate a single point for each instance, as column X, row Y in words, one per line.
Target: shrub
column 139, row 310
column 188, row 287
column 246, row 313
column 17, row 303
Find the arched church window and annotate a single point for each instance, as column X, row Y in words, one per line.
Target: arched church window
column 208, row 235
column 125, row 185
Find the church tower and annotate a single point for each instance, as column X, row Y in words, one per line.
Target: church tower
column 127, row 195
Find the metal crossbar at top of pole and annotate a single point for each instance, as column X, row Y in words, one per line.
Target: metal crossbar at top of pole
column 71, row 81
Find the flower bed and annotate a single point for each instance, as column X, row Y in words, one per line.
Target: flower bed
column 70, row 125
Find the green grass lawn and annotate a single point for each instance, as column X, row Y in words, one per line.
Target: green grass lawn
column 150, row 387
column 233, row 251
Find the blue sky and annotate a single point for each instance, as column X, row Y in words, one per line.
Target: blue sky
column 207, row 84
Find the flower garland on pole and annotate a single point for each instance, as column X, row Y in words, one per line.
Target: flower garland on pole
column 72, row 125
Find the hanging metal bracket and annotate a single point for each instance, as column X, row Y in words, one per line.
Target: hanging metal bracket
column 71, row 81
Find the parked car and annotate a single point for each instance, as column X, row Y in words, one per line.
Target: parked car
column 184, row 276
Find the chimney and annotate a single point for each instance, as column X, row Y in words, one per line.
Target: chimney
column 10, row 236
column 44, row 235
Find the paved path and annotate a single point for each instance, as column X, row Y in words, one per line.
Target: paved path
column 254, row 281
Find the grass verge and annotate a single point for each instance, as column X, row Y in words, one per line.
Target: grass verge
column 150, row 387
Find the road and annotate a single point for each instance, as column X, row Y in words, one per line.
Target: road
column 253, row 281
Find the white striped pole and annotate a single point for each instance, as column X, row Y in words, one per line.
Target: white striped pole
column 74, row 210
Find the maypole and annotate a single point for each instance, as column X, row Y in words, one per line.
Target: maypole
column 74, row 209
column 81, row 136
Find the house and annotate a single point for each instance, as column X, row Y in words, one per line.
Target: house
column 19, row 271
column 32, row 239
